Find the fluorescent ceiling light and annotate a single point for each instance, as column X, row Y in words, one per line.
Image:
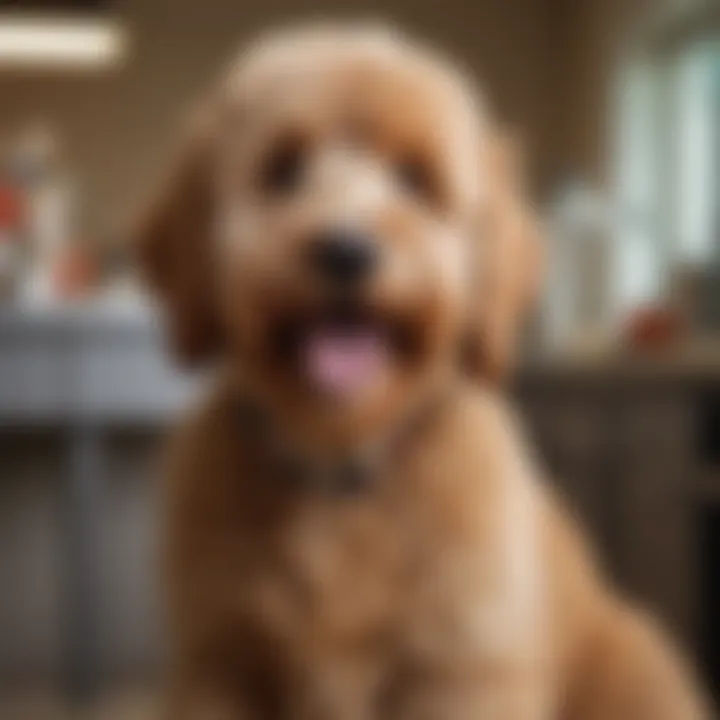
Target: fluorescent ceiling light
column 60, row 43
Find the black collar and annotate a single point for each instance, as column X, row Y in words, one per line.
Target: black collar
column 348, row 476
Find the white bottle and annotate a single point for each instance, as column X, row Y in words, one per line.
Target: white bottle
column 51, row 206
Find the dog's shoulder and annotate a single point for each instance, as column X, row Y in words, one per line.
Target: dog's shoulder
column 482, row 432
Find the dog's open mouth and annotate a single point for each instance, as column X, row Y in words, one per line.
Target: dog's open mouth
column 342, row 352
column 343, row 359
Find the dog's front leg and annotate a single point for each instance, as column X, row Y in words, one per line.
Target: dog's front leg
column 491, row 693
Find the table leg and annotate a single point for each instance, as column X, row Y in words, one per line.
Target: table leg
column 84, row 562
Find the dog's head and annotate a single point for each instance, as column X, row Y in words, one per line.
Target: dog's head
column 346, row 227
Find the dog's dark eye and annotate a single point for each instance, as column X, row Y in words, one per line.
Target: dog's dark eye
column 416, row 178
column 283, row 170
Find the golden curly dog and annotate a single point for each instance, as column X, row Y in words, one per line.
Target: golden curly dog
column 356, row 529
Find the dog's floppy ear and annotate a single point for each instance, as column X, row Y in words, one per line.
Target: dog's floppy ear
column 174, row 240
column 508, row 259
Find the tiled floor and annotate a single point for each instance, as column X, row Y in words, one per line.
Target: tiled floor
column 126, row 706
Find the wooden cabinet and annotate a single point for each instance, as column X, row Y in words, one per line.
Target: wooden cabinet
column 622, row 444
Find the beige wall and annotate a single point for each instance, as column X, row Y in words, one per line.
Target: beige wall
column 119, row 127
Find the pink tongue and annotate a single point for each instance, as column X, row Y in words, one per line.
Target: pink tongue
column 342, row 360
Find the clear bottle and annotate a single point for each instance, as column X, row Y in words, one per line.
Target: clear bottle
column 577, row 301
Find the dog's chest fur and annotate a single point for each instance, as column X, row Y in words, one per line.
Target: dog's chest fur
column 335, row 602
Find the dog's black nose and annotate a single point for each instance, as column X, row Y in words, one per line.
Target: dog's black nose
column 343, row 256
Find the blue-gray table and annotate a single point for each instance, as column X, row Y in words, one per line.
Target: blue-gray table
column 84, row 370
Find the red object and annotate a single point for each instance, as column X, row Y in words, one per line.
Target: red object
column 11, row 208
column 654, row 328
column 76, row 274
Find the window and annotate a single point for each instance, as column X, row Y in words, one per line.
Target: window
column 668, row 166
